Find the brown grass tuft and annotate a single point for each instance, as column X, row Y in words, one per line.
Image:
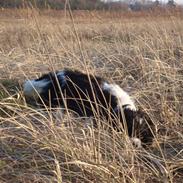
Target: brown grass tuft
column 143, row 54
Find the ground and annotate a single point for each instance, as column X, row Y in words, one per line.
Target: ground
column 142, row 52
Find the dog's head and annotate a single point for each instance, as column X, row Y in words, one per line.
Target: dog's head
column 139, row 125
column 145, row 127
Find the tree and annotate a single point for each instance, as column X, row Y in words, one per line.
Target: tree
column 157, row 3
column 171, row 3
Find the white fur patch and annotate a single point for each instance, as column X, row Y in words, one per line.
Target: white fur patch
column 136, row 142
column 61, row 77
column 31, row 87
column 122, row 96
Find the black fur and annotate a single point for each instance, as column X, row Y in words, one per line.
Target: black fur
column 83, row 94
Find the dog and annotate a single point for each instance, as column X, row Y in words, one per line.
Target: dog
column 91, row 96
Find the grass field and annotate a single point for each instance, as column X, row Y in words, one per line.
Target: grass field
column 142, row 52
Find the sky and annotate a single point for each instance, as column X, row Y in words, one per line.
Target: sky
column 177, row 1
column 164, row 1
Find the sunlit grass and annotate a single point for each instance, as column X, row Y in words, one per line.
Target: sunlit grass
column 143, row 54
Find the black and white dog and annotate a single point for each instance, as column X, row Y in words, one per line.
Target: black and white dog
column 91, row 96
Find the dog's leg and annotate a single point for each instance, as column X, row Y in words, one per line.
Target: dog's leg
column 58, row 115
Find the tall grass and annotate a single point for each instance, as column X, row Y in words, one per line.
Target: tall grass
column 143, row 54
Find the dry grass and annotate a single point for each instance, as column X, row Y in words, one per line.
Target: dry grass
column 143, row 54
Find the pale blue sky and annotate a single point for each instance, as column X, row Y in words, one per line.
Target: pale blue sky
column 177, row 1
column 165, row 1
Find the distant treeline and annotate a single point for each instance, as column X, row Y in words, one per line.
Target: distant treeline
column 86, row 4
column 54, row 4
